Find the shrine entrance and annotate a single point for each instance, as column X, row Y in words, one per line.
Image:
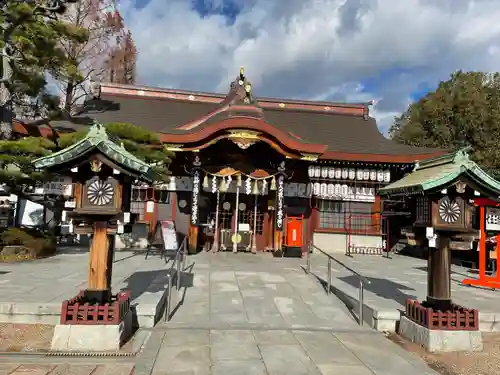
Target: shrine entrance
column 253, row 216
column 237, row 197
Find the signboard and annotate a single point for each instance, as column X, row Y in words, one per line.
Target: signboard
column 165, row 235
column 59, row 186
column 279, row 202
column 492, row 219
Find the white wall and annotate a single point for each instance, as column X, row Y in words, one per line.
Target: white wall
column 338, row 242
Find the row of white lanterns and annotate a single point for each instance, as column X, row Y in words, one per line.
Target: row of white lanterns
column 343, row 192
column 315, row 171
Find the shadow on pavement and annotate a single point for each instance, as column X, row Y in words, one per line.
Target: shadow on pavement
column 383, row 288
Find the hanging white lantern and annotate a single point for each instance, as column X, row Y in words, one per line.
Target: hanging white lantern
column 345, row 191
column 359, row 174
column 352, row 174
column 317, row 172
column 338, row 191
column 324, row 172
column 323, row 190
column 330, row 191
column 309, row 189
column 358, row 194
column 248, row 186
column 380, row 175
column 331, row 173
column 302, row 190
column 387, row 176
column 373, row 175
column 338, row 173
column 366, row 174
column 350, row 193
column 363, row 196
column 310, row 171
column 345, row 173
column 316, row 188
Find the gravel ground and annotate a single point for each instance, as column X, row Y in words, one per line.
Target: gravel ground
column 25, row 337
column 486, row 362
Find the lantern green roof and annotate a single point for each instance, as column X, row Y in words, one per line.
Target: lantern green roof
column 441, row 172
column 98, row 139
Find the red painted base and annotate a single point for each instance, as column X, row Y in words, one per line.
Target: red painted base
column 79, row 310
column 457, row 319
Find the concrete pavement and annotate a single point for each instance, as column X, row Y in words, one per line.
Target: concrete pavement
column 396, row 279
column 254, row 314
column 237, row 314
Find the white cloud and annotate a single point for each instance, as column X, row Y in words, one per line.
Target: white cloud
column 317, row 48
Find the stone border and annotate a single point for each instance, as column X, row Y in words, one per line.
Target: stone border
column 149, row 308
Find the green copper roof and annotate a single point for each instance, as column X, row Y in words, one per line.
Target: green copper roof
column 439, row 172
column 97, row 139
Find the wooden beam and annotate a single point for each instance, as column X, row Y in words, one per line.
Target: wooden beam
column 99, row 270
column 193, row 238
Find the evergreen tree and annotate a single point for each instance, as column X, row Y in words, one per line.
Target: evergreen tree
column 462, row 111
column 36, row 52
column 17, row 155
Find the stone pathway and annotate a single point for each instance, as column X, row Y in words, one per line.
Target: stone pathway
column 254, row 314
column 65, row 369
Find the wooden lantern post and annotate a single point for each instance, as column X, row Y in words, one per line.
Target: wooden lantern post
column 443, row 189
column 439, row 274
column 102, row 172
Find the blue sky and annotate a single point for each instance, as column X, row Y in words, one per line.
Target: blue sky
column 389, row 51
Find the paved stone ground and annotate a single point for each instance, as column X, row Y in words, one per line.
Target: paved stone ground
column 253, row 314
column 66, row 369
column 395, row 279
column 34, row 281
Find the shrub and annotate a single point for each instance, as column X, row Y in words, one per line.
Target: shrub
column 38, row 243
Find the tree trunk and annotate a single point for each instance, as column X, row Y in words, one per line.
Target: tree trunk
column 68, row 99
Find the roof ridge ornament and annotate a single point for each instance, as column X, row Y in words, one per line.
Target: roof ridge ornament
column 460, row 156
column 243, row 88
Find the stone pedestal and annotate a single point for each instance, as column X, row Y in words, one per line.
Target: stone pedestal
column 91, row 337
column 435, row 340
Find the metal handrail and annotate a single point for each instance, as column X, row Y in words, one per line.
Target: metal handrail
column 362, row 280
column 179, row 263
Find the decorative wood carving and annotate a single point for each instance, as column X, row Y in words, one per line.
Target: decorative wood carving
column 451, row 213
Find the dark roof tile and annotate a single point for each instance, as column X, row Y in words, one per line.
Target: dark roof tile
column 340, row 132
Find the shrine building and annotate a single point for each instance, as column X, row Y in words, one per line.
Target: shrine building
column 257, row 174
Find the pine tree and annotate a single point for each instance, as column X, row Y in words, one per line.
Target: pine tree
column 36, row 52
column 20, row 178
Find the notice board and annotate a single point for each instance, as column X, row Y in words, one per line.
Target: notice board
column 165, row 235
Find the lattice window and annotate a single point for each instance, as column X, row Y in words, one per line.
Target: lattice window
column 244, row 217
column 162, row 196
column 341, row 215
column 225, row 217
column 137, row 208
column 331, row 214
column 422, row 210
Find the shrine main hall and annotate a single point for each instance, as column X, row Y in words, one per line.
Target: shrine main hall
column 259, row 174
